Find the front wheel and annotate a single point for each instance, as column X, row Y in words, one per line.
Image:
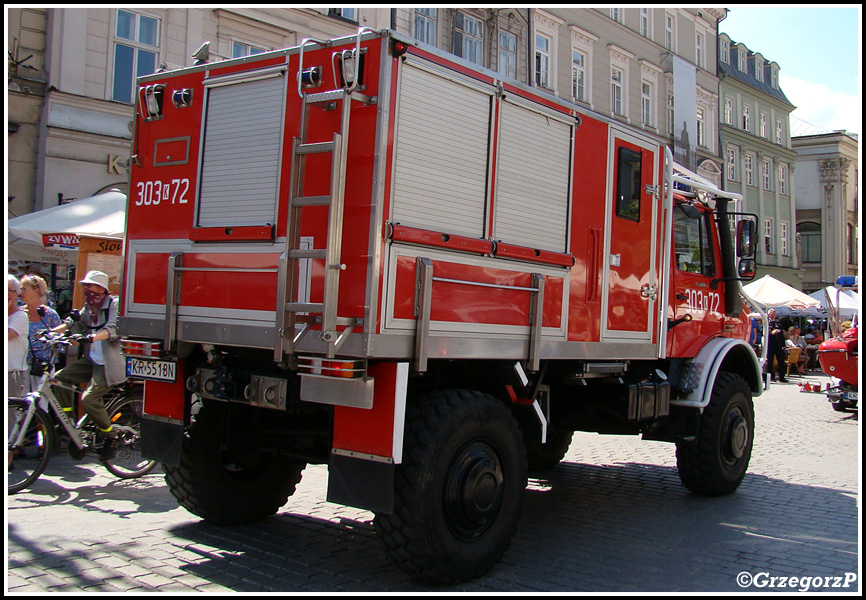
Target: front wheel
column 125, row 415
column 27, row 458
column 715, row 464
column 459, row 492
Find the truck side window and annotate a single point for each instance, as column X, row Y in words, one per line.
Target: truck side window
column 628, row 184
column 692, row 248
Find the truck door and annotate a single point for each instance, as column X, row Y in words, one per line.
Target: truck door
column 630, row 264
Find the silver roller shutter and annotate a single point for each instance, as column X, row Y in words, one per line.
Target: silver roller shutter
column 241, row 153
column 441, row 161
column 532, row 179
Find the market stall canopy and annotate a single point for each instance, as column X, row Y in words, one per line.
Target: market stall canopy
column 787, row 301
column 848, row 301
column 51, row 235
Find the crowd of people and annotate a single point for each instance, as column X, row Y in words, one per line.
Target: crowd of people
column 99, row 362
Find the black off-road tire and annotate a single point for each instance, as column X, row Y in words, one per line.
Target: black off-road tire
column 716, row 463
column 459, row 491
column 545, row 456
column 227, row 486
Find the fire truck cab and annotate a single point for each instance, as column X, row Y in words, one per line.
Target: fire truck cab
column 370, row 254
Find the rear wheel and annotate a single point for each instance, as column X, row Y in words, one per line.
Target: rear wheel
column 459, row 491
column 227, row 481
column 715, row 464
column 125, row 415
column 27, row 460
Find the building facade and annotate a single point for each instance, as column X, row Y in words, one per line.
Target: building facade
column 758, row 158
column 828, row 206
column 71, row 99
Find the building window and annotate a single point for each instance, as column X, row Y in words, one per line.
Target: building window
column 646, row 104
column 136, row 49
column 542, row 61
column 774, row 77
column 768, row 236
column 747, row 121
column 239, row 49
column 741, row 60
column 699, row 50
column 508, row 54
column 578, row 75
column 783, row 238
column 670, row 114
column 350, row 14
column 749, row 168
column 729, row 111
column 669, row 33
column 783, row 179
column 763, row 125
column 424, row 27
column 759, row 69
column 616, row 81
column 724, row 51
column 615, row 14
column 810, row 242
column 469, row 38
column 778, row 131
column 702, row 132
column 765, row 174
column 645, row 23
column 732, row 164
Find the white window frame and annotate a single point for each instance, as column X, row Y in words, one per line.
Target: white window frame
column 749, row 169
column 763, row 125
column 578, row 76
column 506, row 62
column 670, row 105
column 759, row 69
column 619, row 62
column 582, row 42
column 741, row 60
column 548, row 26
column 247, row 49
column 765, row 174
column 699, row 49
column 671, row 32
column 783, row 179
column 471, row 38
column 646, row 27
column 731, row 164
column 646, row 103
column 747, row 118
column 702, row 131
column 779, row 131
column 783, row 238
column 350, row 14
column 774, row 77
column 424, row 25
column 616, row 14
column 616, row 91
column 729, row 111
column 543, row 61
column 769, row 234
column 137, row 47
column 724, row 51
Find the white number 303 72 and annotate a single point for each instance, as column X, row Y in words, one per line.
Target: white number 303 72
column 152, row 193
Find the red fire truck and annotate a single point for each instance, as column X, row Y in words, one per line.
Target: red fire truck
column 370, row 254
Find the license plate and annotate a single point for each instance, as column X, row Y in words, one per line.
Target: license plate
column 156, row 370
column 850, row 395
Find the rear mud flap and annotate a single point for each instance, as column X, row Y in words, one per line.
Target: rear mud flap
column 161, row 439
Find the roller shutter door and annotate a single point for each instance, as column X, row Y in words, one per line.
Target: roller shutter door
column 441, row 162
column 532, row 180
column 241, row 153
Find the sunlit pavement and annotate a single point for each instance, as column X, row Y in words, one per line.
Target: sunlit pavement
column 612, row 516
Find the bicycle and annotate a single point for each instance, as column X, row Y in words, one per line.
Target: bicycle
column 37, row 425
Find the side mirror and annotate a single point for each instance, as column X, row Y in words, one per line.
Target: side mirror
column 746, row 239
column 746, row 268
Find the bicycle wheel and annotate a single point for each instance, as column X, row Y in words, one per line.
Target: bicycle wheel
column 27, row 460
column 125, row 413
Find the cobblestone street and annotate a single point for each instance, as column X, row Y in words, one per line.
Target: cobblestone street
column 612, row 517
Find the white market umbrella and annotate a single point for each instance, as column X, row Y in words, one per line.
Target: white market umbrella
column 787, row 300
column 848, row 301
column 51, row 235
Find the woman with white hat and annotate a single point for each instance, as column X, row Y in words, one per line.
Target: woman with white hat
column 101, row 361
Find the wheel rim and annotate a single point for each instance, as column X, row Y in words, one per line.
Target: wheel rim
column 736, row 437
column 473, row 490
